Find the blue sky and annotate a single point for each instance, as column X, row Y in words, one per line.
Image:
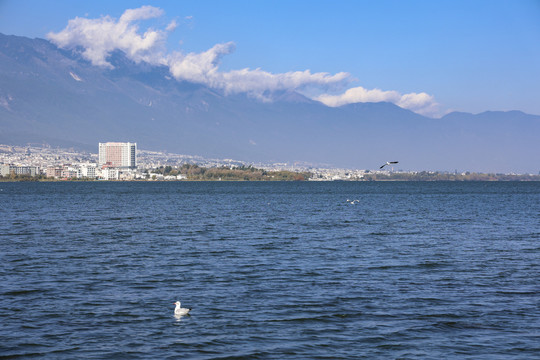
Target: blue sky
column 468, row 56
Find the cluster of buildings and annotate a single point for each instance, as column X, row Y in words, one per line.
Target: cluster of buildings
column 115, row 161
column 337, row 174
column 7, row 170
column 123, row 161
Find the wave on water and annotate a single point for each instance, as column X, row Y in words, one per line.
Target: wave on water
column 272, row 271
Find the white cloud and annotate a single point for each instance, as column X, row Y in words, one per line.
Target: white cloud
column 172, row 26
column 258, row 81
column 99, row 37
column 199, row 67
column 358, row 94
column 421, row 103
column 203, row 68
column 143, row 13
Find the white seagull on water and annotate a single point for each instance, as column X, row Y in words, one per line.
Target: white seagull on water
column 389, row 163
column 180, row 311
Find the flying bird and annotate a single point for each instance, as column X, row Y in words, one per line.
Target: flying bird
column 389, row 163
column 180, row 311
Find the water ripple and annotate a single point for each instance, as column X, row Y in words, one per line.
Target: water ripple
column 271, row 270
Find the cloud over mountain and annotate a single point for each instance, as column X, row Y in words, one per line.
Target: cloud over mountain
column 203, row 68
column 421, row 103
column 98, row 38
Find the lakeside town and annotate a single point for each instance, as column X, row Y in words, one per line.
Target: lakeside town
column 124, row 162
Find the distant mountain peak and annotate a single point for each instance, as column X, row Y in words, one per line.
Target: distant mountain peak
column 290, row 96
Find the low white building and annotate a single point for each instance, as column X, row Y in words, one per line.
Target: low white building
column 88, row 171
column 110, row 173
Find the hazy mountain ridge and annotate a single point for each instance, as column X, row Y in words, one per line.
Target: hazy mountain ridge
column 52, row 95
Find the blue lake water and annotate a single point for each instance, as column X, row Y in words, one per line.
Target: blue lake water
column 413, row 270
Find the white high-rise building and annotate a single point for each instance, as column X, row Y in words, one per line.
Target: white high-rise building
column 117, row 154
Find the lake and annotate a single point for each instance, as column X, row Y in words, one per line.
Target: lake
column 272, row 270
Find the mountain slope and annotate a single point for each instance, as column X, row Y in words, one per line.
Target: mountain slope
column 54, row 96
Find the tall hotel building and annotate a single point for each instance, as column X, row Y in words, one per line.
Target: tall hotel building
column 117, row 154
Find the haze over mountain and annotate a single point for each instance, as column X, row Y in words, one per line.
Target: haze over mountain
column 54, row 95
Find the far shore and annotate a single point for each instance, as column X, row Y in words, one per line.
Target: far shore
column 304, row 176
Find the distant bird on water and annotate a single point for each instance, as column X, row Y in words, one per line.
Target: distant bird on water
column 389, row 163
column 180, row 311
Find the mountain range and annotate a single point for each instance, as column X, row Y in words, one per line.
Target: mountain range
column 54, row 96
